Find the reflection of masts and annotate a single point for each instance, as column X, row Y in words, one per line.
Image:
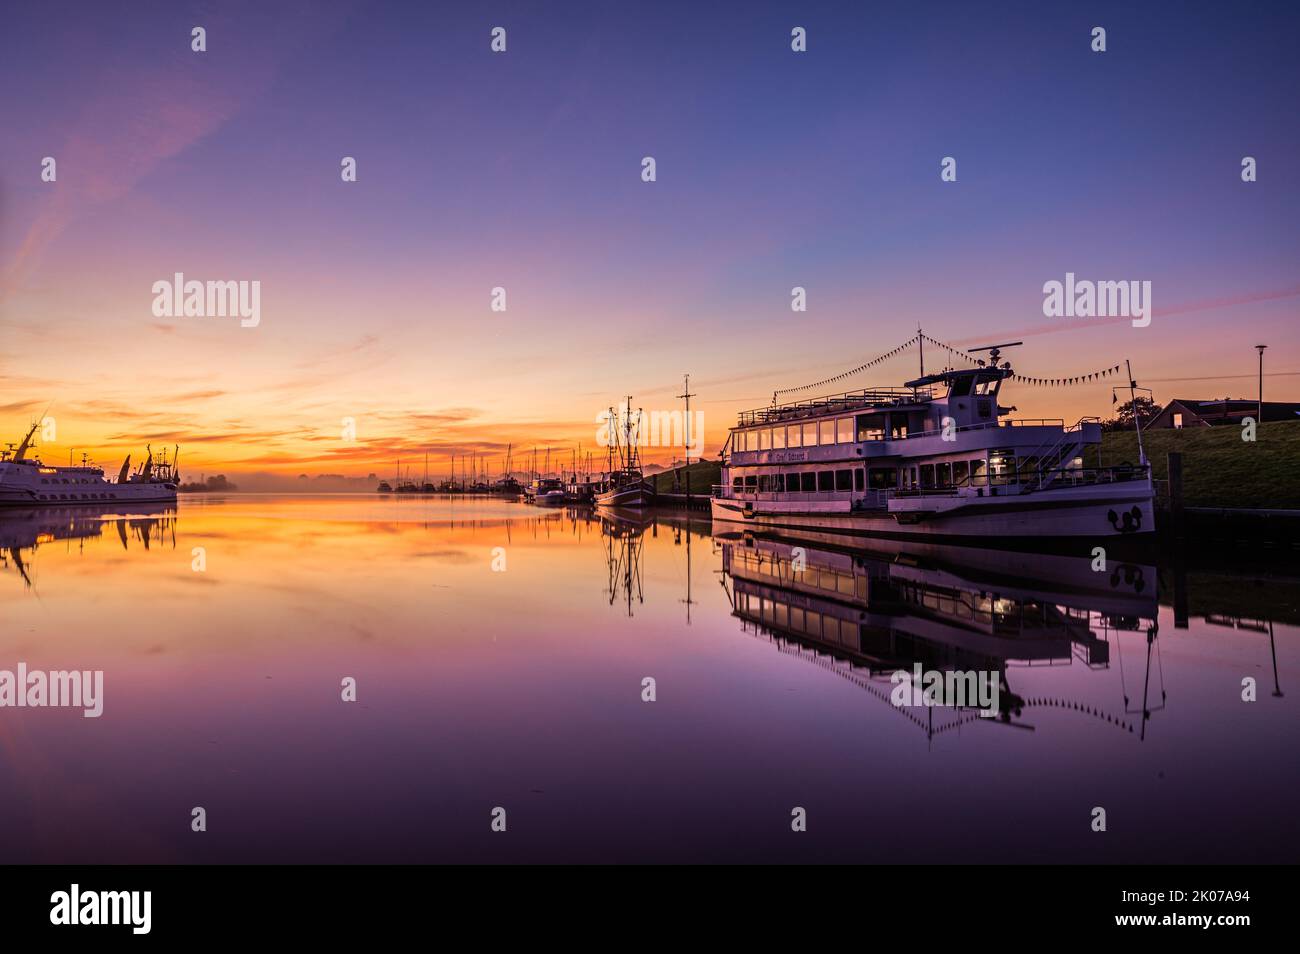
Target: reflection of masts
column 623, row 556
column 1272, row 645
column 688, row 601
column 1146, row 710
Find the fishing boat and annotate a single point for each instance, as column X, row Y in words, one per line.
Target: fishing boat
column 939, row 458
column 26, row 482
column 624, row 485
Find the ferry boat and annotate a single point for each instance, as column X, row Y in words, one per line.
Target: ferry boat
column 26, row 482
column 938, row 458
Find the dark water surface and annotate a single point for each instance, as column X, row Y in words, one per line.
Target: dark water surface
column 521, row 688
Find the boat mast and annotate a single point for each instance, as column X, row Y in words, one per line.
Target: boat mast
column 1137, row 419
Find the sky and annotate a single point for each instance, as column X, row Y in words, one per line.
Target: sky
column 523, row 170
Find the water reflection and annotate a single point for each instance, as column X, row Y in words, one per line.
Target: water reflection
column 23, row 532
column 864, row 616
column 523, row 687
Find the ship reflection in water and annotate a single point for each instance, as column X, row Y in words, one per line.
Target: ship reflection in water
column 26, row 530
column 501, row 656
column 866, row 617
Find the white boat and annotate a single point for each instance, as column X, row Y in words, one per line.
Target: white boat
column 27, row 482
column 547, row 492
column 937, row 459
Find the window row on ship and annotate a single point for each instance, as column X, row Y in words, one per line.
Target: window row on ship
column 1000, row 467
column 824, row 432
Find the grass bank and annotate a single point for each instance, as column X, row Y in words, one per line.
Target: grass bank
column 1219, row 468
column 704, row 475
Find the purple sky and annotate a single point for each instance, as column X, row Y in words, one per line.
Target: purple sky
column 522, row 170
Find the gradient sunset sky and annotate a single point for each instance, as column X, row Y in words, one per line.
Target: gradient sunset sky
column 522, row 170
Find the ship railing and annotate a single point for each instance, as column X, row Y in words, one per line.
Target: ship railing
column 821, row 496
column 1052, row 460
column 848, row 400
column 1117, row 474
column 1009, row 422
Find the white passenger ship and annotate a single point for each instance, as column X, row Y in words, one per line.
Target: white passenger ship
column 938, row 458
column 25, row 481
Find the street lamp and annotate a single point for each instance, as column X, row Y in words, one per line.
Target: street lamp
column 1260, row 411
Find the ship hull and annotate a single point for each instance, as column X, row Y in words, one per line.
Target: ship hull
column 28, row 485
column 1007, row 521
column 627, row 497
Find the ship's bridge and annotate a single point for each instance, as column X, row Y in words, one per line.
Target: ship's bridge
column 971, row 396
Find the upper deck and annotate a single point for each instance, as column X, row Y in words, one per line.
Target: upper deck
column 829, row 405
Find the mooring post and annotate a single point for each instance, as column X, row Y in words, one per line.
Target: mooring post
column 1176, row 493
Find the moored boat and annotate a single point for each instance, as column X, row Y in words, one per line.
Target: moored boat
column 938, row 459
column 624, row 485
column 26, row 481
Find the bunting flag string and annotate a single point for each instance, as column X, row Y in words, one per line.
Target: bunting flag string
column 953, row 352
column 879, row 359
column 1067, row 382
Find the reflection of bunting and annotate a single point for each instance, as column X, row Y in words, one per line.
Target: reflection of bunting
column 880, row 359
column 1067, row 382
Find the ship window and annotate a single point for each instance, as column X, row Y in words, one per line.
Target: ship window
column 897, row 427
column 44, row 480
column 764, row 483
column 960, row 387
column 871, row 427
column 844, row 430
column 825, row 480
column 858, row 479
column 987, row 386
column 978, row 471
column 795, row 434
column 778, row 438
column 943, row 475
column 1002, row 466
column 844, row 480
column 751, row 482
column 959, row 472
column 765, row 439
column 737, row 483
column 881, row 478
column 927, row 476
column 778, row 483
column 827, row 432
column 807, row 482
column 792, row 483
column 810, row 435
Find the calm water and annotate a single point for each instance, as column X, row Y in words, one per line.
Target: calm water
column 522, row 688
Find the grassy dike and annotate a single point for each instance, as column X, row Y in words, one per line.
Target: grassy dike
column 1219, row 468
column 704, row 475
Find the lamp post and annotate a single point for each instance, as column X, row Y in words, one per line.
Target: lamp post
column 1259, row 418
